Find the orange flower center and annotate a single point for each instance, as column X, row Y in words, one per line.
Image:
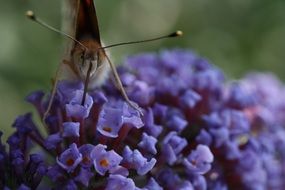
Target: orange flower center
column 86, row 160
column 70, row 162
column 104, row 163
column 107, row 129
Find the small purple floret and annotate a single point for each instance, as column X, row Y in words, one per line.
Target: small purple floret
column 110, row 122
column 120, row 182
column 86, row 150
column 70, row 158
column 173, row 144
column 52, row 141
column 148, row 143
column 199, row 160
column 84, row 176
column 153, row 185
column 74, row 107
column 136, row 161
column 105, row 160
column 71, row 129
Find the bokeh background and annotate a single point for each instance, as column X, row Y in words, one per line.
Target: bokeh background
column 239, row 36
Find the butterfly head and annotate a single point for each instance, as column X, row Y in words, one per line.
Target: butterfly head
column 89, row 55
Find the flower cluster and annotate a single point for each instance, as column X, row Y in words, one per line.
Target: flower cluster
column 196, row 132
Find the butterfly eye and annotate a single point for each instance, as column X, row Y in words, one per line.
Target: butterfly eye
column 82, row 56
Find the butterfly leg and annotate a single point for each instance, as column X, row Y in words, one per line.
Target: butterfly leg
column 119, row 85
column 54, row 88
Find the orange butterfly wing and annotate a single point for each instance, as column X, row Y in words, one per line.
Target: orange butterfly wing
column 87, row 23
column 79, row 21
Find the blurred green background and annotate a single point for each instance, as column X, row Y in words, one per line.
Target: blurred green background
column 237, row 35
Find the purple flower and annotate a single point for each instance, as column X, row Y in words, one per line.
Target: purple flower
column 231, row 150
column 177, row 123
column 176, row 182
column 105, row 160
column 24, row 123
column 199, row 160
column 204, row 138
column 151, row 128
column 142, row 93
column 18, row 161
column 14, row 141
column 71, row 129
column 145, row 66
column 110, row 122
column 70, row 158
column 152, row 184
column 190, row 99
column 251, row 170
column 198, row 181
column 120, row 170
column 99, row 98
column 86, row 150
column 120, row 182
column 36, row 169
column 24, row 187
column 113, row 117
column 173, row 144
column 36, row 99
column 56, row 173
column 148, row 143
column 209, row 80
column 70, row 185
column 239, row 97
column 136, row 161
column 84, row 176
column 159, row 110
column 65, row 90
column 221, row 136
column 52, row 141
column 131, row 116
column 185, row 185
column 171, row 85
column 191, row 118
column 74, row 107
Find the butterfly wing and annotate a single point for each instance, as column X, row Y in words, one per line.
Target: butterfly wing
column 70, row 10
column 79, row 21
column 87, row 23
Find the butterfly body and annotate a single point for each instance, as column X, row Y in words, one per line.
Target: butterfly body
column 80, row 60
column 88, row 53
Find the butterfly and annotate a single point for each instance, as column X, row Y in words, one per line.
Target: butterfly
column 86, row 53
column 85, row 57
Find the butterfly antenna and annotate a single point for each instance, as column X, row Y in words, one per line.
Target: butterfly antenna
column 30, row 14
column 178, row 33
